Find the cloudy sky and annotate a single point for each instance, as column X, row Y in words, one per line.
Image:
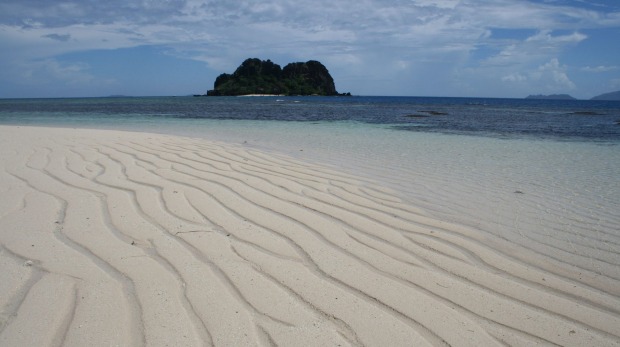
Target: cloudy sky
column 480, row 48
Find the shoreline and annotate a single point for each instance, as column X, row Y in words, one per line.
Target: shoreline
column 114, row 235
column 261, row 95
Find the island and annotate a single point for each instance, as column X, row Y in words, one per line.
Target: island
column 551, row 97
column 613, row 96
column 263, row 77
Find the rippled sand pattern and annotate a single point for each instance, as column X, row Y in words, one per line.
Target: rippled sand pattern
column 112, row 238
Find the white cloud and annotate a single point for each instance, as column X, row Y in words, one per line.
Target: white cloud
column 534, row 48
column 371, row 38
column 444, row 4
column 554, row 76
column 52, row 70
column 545, row 38
column 514, row 77
column 429, row 27
column 600, row 68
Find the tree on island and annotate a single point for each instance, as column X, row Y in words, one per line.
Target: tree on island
column 255, row 76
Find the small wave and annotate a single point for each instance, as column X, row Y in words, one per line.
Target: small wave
column 587, row 113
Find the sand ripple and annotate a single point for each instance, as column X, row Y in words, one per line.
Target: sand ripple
column 112, row 238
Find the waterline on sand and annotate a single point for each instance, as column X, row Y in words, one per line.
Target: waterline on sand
column 155, row 239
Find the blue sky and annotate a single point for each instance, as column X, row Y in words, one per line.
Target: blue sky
column 479, row 48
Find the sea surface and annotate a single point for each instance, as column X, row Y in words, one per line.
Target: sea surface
column 572, row 120
column 502, row 214
column 541, row 174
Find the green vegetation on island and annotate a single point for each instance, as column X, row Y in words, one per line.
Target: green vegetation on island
column 263, row 77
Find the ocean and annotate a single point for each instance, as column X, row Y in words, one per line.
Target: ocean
column 560, row 120
column 539, row 173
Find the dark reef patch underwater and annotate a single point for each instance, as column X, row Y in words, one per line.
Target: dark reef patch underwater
column 563, row 120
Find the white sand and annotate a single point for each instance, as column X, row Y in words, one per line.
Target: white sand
column 119, row 238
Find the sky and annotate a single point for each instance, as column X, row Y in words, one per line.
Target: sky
column 461, row 48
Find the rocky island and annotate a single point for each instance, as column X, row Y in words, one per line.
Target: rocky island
column 263, row 77
column 551, row 97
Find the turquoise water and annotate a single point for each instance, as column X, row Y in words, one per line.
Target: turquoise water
column 543, row 174
column 505, row 118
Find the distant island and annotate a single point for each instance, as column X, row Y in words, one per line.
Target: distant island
column 551, row 97
column 613, row 96
column 263, row 77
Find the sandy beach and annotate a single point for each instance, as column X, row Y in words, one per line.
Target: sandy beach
column 111, row 238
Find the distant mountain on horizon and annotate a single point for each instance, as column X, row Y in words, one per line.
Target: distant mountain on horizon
column 613, row 96
column 551, row 97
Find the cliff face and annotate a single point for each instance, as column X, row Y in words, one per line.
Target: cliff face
column 255, row 76
column 309, row 78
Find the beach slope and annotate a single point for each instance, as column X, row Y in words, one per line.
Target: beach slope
column 129, row 239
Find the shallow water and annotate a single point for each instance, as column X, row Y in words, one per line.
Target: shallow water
column 561, row 199
column 289, row 250
column 506, row 118
column 541, row 174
